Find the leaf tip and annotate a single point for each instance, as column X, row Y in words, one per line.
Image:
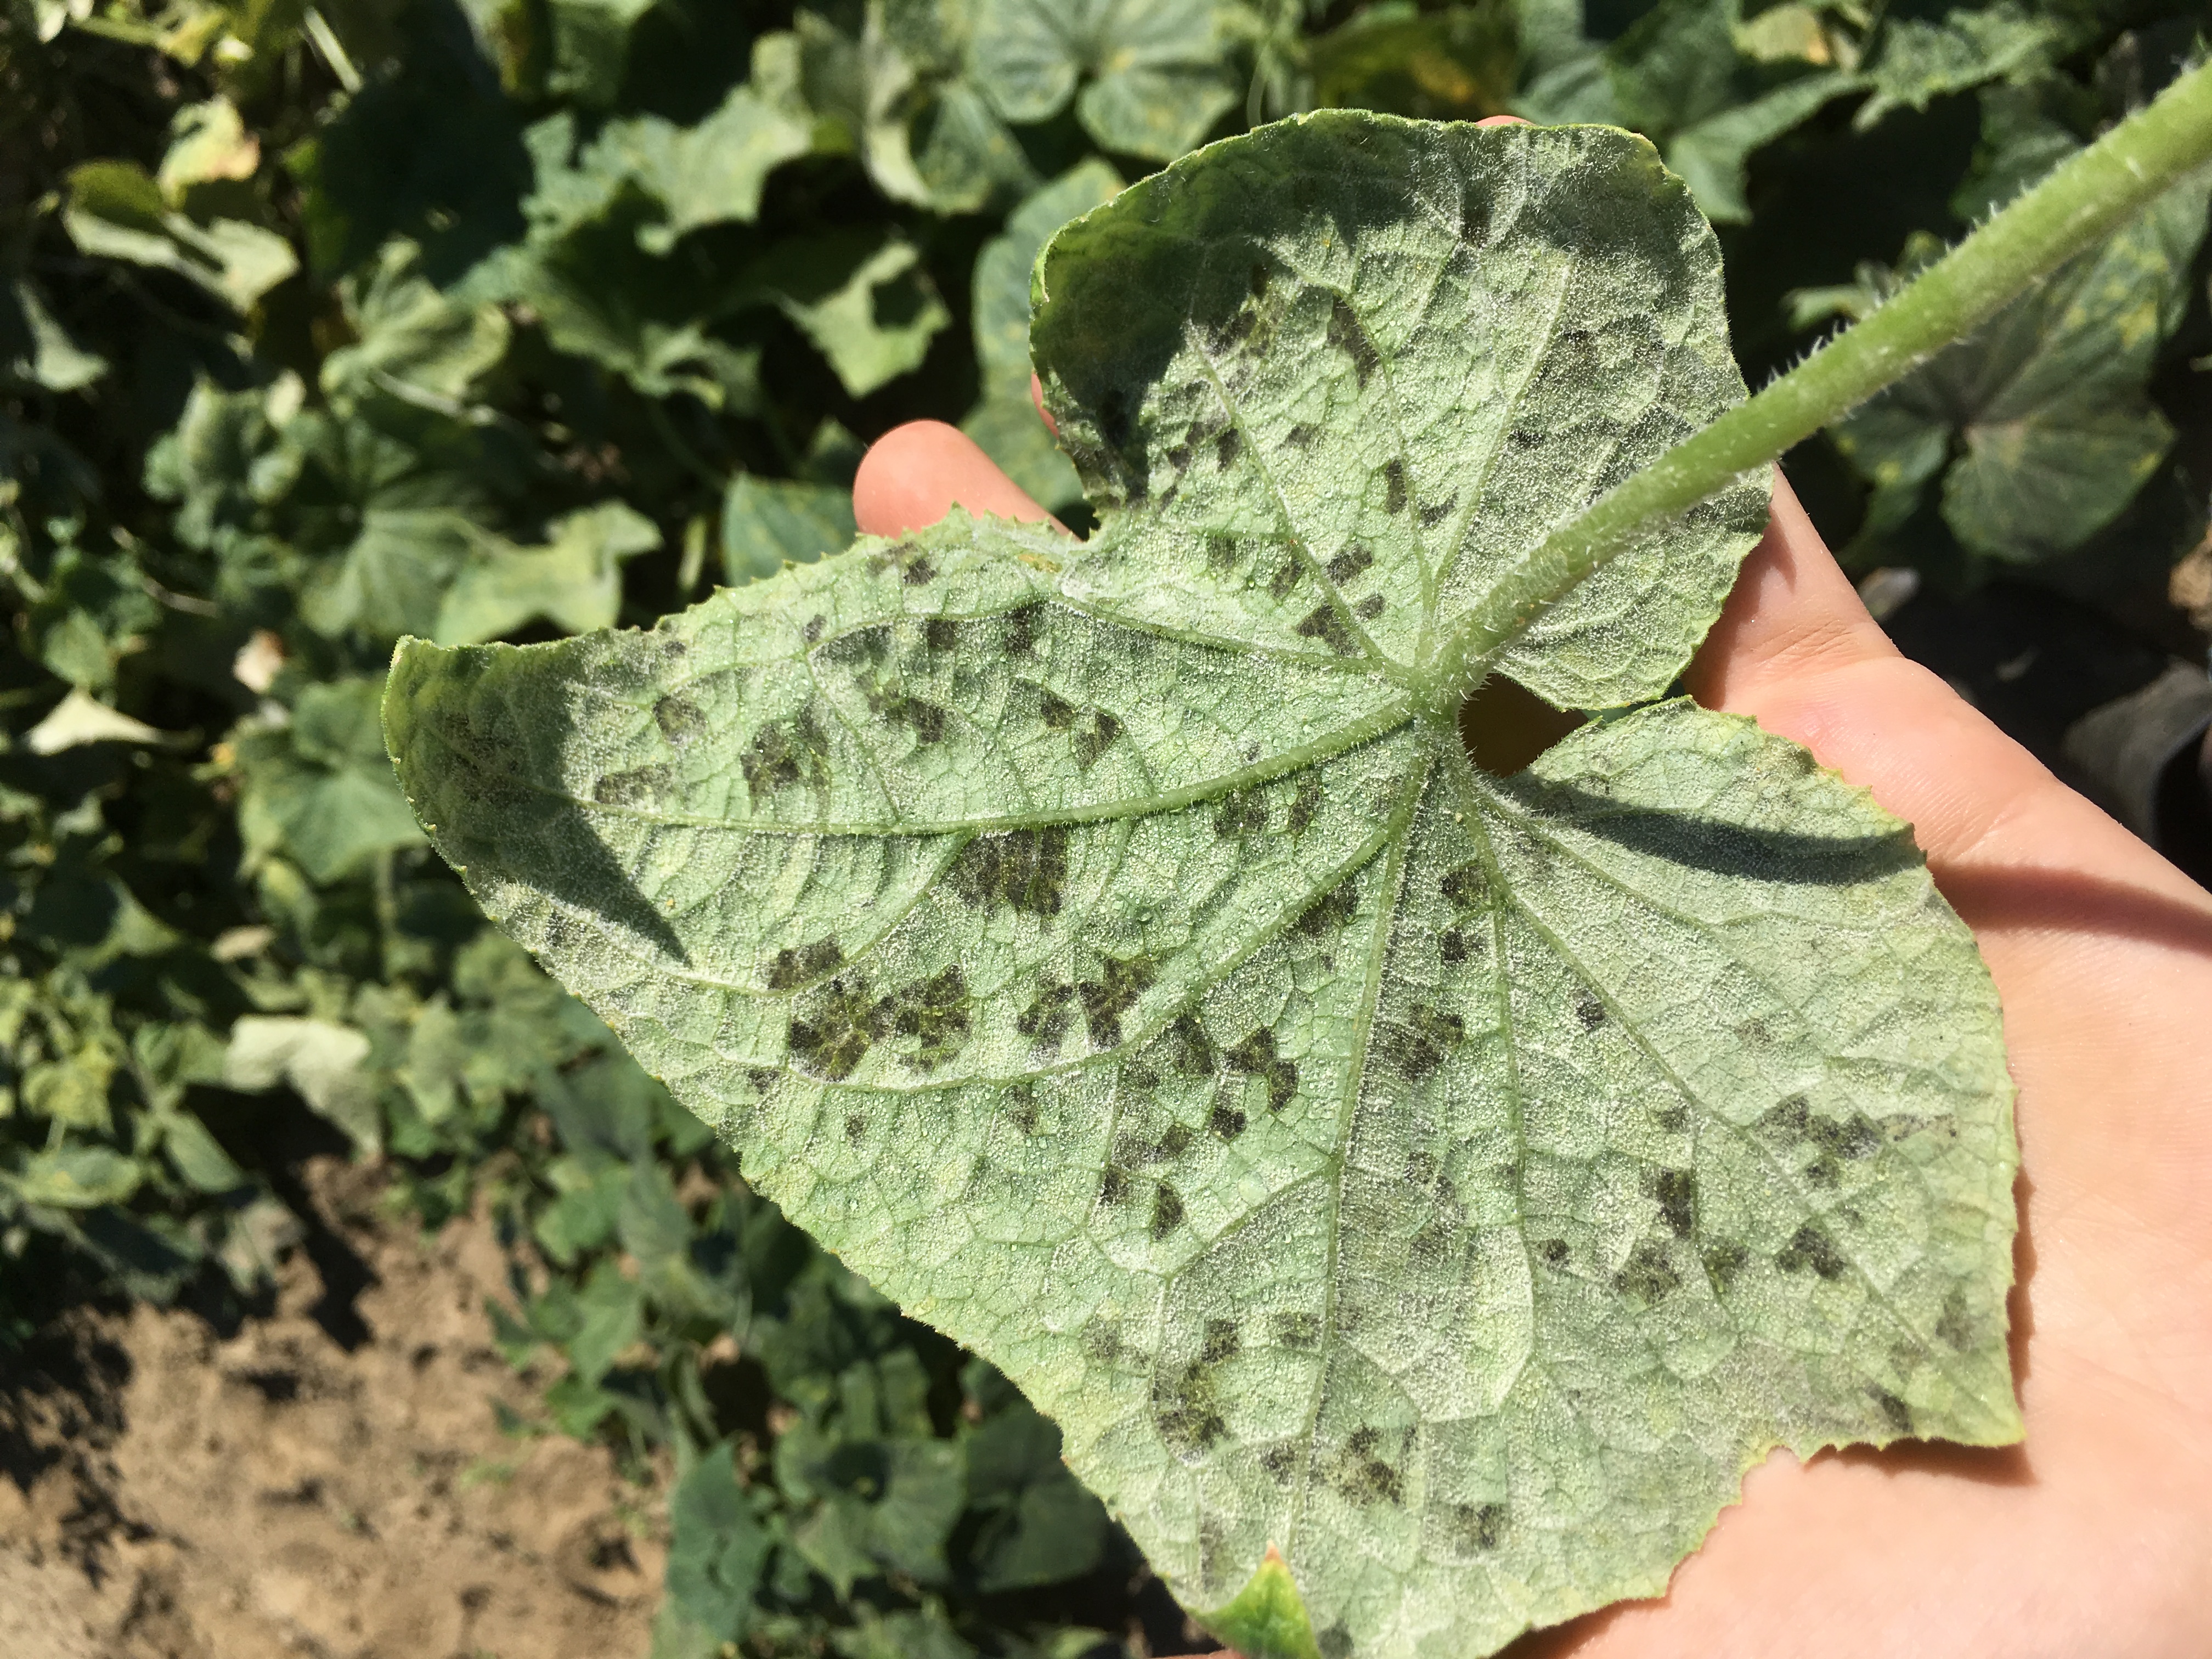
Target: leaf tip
column 1268, row 1619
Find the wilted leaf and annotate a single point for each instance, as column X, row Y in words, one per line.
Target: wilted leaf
column 207, row 143
column 2043, row 416
column 1006, row 422
column 412, row 340
column 198, row 1155
column 866, row 303
column 591, row 46
column 115, row 211
column 35, row 348
column 1455, row 1179
column 1457, row 63
column 76, row 1177
column 574, row 582
column 325, row 1063
column 1680, row 76
column 768, row 523
column 1154, row 73
column 1919, row 60
column 79, row 719
column 924, row 1635
column 318, row 791
column 697, row 175
column 1039, row 1525
column 716, row 1547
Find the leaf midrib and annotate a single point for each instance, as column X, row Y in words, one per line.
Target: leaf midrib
column 1389, row 718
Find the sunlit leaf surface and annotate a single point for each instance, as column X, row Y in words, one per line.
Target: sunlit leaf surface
column 1452, row 1180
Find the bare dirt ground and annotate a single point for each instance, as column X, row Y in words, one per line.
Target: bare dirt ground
column 327, row 1481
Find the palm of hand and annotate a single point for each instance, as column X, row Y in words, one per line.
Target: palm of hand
column 2094, row 1536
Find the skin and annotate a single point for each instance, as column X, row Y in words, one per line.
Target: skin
column 2092, row 1537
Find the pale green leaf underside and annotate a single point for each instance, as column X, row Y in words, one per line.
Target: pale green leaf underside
column 1454, row 1180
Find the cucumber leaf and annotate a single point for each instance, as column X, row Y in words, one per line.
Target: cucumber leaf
column 1003, row 421
column 2040, row 424
column 1154, row 73
column 1451, row 1180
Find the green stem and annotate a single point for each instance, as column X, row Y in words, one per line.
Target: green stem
column 2080, row 202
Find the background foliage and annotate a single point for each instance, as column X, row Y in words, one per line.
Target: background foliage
column 501, row 318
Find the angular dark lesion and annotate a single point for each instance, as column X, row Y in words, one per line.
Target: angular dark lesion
column 1465, row 886
column 1349, row 335
column 1112, row 993
column 910, row 560
column 1348, row 565
column 1325, row 623
column 784, row 754
column 1363, row 1476
column 1241, row 812
column 1187, row 1403
column 803, row 965
column 933, row 1012
column 1329, row 913
column 1166, row 1211
column 635, row 786
column 1092, row 732
column 1046, row 1020
column 1414, row 1048
column 842, row 1023
column 897, row 706
column 1019, row 636
column 679, row 719
column 1022, row 870
column 1297, row 1329
column 1480, row 1528
column 1724, row 1262
column 1257, row 1056
column 1093, row 737
column 831, row 1033
column 1648, row 1276
column 1677, row 1193
column 1894, row 1411
column 1810, row 1247
column 1192, row 1048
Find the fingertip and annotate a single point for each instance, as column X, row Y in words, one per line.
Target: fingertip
column 914, row 474
column 1503, row 121
column 1036, row 397
column 1792, row 612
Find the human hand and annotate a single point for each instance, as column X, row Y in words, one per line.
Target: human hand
column 2094, row 1536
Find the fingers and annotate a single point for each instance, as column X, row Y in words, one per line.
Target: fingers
column 1796, row 651
column 1792, row 612
column 914, row 474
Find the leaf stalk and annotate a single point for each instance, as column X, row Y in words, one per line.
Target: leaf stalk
column 2082, row 200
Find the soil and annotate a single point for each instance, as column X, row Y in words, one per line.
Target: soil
column 327, row 1481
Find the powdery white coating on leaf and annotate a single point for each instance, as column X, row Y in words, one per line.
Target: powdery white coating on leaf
column 1454, row 1180
column 1367, row 364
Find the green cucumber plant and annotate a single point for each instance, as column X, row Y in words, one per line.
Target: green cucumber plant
column 1418, row 1192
